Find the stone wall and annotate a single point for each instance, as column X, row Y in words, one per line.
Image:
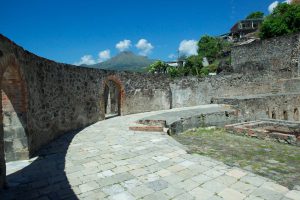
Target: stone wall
column 193, row 91
column 145, row 92
column 278, row 56
column 268, row 106
column 289, row 85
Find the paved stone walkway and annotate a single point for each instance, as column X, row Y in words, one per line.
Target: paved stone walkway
column 107, row 161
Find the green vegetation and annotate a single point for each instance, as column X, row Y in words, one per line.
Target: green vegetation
column 255, row 15
column 285, row 19
column 158, row 67
column 210, row 47
column 276, row 161
column 193, row 65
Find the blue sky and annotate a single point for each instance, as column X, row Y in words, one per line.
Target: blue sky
column 65, row 31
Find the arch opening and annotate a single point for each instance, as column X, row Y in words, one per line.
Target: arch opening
column 273, row 115
column 285, row 115
column 296, row 114
column 14, row 116
column 112, row 99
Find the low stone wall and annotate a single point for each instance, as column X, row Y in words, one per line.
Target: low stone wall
column 276, row 106
column 218, row 119
column 193, row 91
column 276, row 130
column 275, row 55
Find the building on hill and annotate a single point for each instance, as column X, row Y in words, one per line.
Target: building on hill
column 244, row 27
column 177, row 63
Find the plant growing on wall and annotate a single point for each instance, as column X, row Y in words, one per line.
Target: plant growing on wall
column 212, row 47
column 285, row 19
column 158, row 67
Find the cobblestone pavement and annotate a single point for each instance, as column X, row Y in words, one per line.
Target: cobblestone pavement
column 107, row 161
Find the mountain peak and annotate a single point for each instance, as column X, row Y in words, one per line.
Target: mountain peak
column 126, row 61
column 126, row 53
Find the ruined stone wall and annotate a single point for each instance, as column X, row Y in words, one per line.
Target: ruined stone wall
column 272, row 106
column 289, row 85
column 278, row 56
column 145, row 92
column 193, row 91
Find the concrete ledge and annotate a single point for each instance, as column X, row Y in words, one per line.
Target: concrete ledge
column 180, row 120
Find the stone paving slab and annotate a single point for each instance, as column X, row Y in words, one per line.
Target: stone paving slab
column 108, row 161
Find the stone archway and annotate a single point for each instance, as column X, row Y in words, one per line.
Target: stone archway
column 285, row 115
column 296, row 114
column 273, row 114
column 13, row 118
column 113, row 97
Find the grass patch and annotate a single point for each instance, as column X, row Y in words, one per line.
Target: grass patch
column 277, row 161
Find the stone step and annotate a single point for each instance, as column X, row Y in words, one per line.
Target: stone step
column 146, row 125
column 147, row 128
column 151, row 122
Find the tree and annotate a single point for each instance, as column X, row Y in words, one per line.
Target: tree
column 193, row 65
column 285, row 19
column 255, row 15
column 211, row 47
column 158, row 67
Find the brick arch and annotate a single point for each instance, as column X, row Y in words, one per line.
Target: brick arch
column 13, row 118
column 120, row 86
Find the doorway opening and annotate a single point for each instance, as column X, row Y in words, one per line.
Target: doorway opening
column 112, row 99
column 273, row 115
column 285, row 115
column 14, row 117
column 296, row 114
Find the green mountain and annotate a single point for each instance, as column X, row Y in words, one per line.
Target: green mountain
column 125, row 61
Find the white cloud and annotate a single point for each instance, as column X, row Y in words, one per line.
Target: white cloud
column 188, row 47
column 86, row 60
column 123, row 45
column 272, row 6
column 104, row 55
column 144, row 46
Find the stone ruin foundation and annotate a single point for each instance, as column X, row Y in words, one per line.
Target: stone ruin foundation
column 277, row 130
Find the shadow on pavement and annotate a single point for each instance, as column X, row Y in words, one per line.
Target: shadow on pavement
column 45, row 177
